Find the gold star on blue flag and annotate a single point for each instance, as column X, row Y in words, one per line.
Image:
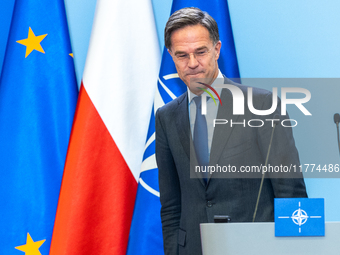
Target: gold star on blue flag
column 31, row 247
column 32, row 42
column 38, row 94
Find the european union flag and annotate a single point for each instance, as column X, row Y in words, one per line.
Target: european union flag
column 38, row 93
column 299, row 217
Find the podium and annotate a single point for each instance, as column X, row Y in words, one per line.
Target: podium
column 259, row 238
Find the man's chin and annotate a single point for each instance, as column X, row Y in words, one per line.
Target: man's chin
column 195, row 76
column 199, row 81
column 194, row 79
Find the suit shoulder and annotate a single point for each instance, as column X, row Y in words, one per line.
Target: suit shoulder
column 255, row 90
column 261, row 98
column 244, row 88
column 173, row 105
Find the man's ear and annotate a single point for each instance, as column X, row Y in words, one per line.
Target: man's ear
column 169, row 52
column 218, row 49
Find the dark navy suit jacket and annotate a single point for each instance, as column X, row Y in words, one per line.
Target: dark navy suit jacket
column 187, row 201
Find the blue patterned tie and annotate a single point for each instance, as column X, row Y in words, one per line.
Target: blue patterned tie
column 201, row 137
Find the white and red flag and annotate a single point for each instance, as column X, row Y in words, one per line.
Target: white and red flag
column 109, row 131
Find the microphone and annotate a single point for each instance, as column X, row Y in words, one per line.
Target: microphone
column 275, row 122
column 222, row 219
column 336, row 121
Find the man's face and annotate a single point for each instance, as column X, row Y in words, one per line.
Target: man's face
column 194, row 55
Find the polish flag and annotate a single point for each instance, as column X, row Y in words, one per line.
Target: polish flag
column 109, row 131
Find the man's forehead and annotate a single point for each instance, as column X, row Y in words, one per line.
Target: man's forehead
column 190, row 38
column 190, row 34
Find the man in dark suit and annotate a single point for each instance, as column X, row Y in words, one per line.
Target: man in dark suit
column 190, row 197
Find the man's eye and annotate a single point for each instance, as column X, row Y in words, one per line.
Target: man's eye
column 201, row 53
column 182, row 55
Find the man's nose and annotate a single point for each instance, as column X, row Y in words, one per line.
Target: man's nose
column 192, row 61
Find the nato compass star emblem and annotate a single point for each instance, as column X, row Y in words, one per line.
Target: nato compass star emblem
column 299, row 217
column 293, row 221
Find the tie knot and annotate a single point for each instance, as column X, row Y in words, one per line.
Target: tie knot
column 198, row 101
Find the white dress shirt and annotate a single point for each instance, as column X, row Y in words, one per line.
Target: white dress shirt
column 211, row 109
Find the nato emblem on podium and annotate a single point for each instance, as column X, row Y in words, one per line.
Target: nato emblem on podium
column 299, row 217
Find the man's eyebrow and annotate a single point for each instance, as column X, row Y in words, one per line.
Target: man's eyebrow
column 180, row 52
column 201, row 48
column 198, row 49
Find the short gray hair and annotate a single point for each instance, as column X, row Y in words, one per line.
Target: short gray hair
column 190, row 16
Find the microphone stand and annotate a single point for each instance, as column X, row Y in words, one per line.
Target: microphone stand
column 336, row 121
column 259, row 194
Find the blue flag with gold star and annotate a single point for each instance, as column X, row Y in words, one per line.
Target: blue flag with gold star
column 38, row 94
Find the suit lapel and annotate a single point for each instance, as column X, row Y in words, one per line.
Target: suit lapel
column 223, row 132
column 184, row 132
column 182, row 124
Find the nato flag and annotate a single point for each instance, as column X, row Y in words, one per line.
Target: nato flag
column 146, row 228
column 299, row 217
